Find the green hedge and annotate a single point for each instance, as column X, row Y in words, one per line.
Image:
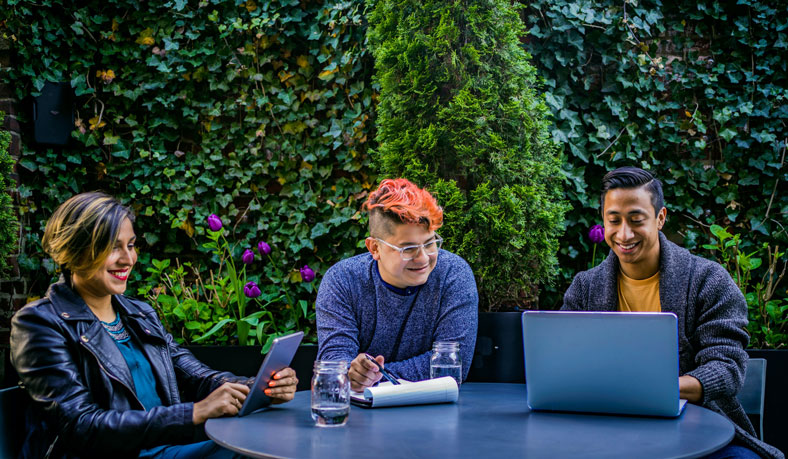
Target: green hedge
column 9, row 225
column 459, row 114
column 257, row 112
column 697, row 92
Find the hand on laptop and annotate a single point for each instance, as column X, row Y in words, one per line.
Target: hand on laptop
column 224, row 401
column 282, row 386
column 690, row 389
column 364, row 373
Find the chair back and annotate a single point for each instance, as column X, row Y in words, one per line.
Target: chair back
column 753, row 390
column 13, row 404
column 498, row 356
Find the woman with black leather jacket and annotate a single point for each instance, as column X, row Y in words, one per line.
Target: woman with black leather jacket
column 104, row 376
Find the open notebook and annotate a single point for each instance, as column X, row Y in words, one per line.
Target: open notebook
column 439, row 390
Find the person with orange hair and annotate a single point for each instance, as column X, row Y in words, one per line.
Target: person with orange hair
column 403, row 295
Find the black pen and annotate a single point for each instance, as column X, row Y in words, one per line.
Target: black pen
column 383, row 371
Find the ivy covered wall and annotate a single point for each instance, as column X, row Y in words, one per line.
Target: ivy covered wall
column 257, row 112
column 697, row 92
column 263, row 113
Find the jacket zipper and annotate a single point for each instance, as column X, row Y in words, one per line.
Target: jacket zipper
column 134, row 394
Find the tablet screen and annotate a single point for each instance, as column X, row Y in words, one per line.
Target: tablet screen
column 278, row 358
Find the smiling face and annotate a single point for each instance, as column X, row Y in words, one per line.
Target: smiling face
column 393, row 269
column 632, row 230
column 112, row 276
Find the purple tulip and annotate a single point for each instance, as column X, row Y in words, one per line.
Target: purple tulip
column 251, row 290
column 263, row 248
column 247, row 257
column 307, row 274
column 596, row 234
column 214, row 222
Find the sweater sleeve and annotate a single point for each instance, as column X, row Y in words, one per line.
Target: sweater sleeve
column 575, row 295
column 337, row 328
column 457, row 321
column 721, row 336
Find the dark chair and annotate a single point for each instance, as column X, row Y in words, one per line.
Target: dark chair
column 751, row 395
column 498, row 356
column 13, row 404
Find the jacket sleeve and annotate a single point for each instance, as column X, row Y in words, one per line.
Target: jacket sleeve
column 720, row 336
column 457, row 321
column 43, row 355
column 195, row 379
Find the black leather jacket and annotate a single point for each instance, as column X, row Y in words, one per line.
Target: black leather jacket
column 82, row 390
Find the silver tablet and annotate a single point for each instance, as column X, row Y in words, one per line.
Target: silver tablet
column 278, row 358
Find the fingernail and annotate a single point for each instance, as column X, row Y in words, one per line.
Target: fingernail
column 267, row 391
column 272, row 384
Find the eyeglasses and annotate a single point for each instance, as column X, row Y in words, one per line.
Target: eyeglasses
column 412, row 251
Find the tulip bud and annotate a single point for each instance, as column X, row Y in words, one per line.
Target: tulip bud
column 251, row 290
column 263, row 248
column 214, row 222
column 307, row 274
column 247, row 257
column 596, row 234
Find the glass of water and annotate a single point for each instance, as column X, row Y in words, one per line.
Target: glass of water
column 446, row 361
column 330, row 393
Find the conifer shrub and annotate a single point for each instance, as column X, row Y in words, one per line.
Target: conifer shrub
column 459, row 112
column 9, row 226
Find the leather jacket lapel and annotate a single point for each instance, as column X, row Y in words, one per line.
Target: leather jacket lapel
column 98, row 342
column 70, row 307
column 153, row 344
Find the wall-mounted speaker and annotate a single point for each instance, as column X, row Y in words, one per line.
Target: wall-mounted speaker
column 53, row 114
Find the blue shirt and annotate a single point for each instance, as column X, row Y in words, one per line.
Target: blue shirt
column 141, row 371
column 357, row 312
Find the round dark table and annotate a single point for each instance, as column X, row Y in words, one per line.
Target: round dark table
column 489, row 419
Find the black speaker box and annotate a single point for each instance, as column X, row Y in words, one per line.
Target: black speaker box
column 53, row 114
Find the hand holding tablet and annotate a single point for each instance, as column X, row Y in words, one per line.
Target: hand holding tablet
column 278, row 358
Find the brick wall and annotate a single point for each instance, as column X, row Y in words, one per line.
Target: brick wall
column 13, row 290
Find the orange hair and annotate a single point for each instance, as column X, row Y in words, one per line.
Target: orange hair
column 400, row 199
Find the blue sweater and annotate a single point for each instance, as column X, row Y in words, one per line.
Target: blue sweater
column 357, row 312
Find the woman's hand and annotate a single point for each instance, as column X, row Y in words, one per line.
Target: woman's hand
column 227, row 400
column 282, row 386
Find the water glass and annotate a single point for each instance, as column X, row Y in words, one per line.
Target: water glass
column 330, row 393
column 446, row 361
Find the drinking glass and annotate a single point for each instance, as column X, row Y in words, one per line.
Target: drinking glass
column 330, row 393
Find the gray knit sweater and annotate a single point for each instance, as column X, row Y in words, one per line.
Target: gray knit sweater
column 357, row 312
column 712, row 320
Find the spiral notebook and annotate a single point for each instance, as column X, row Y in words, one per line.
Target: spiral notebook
column 439, row 390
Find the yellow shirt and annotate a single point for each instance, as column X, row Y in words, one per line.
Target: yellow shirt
column 638, row 295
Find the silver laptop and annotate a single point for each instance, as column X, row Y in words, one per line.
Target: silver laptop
column 602, row 362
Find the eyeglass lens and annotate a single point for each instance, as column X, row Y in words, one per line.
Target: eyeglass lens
column 430, row 248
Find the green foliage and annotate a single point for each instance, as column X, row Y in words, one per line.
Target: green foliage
column 219, row 309
column 694, row 91
column 459, row 114
column 768, row 317
column 259, row 112
column 9, row 225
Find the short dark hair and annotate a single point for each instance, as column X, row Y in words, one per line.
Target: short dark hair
column 82, row 231
column 633, row 177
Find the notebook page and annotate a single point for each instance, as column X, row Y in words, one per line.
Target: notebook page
column 439, row 390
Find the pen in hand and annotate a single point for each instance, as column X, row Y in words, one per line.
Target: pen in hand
column 383, row 371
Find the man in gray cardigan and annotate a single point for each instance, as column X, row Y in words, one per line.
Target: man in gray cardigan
column 646, row 272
